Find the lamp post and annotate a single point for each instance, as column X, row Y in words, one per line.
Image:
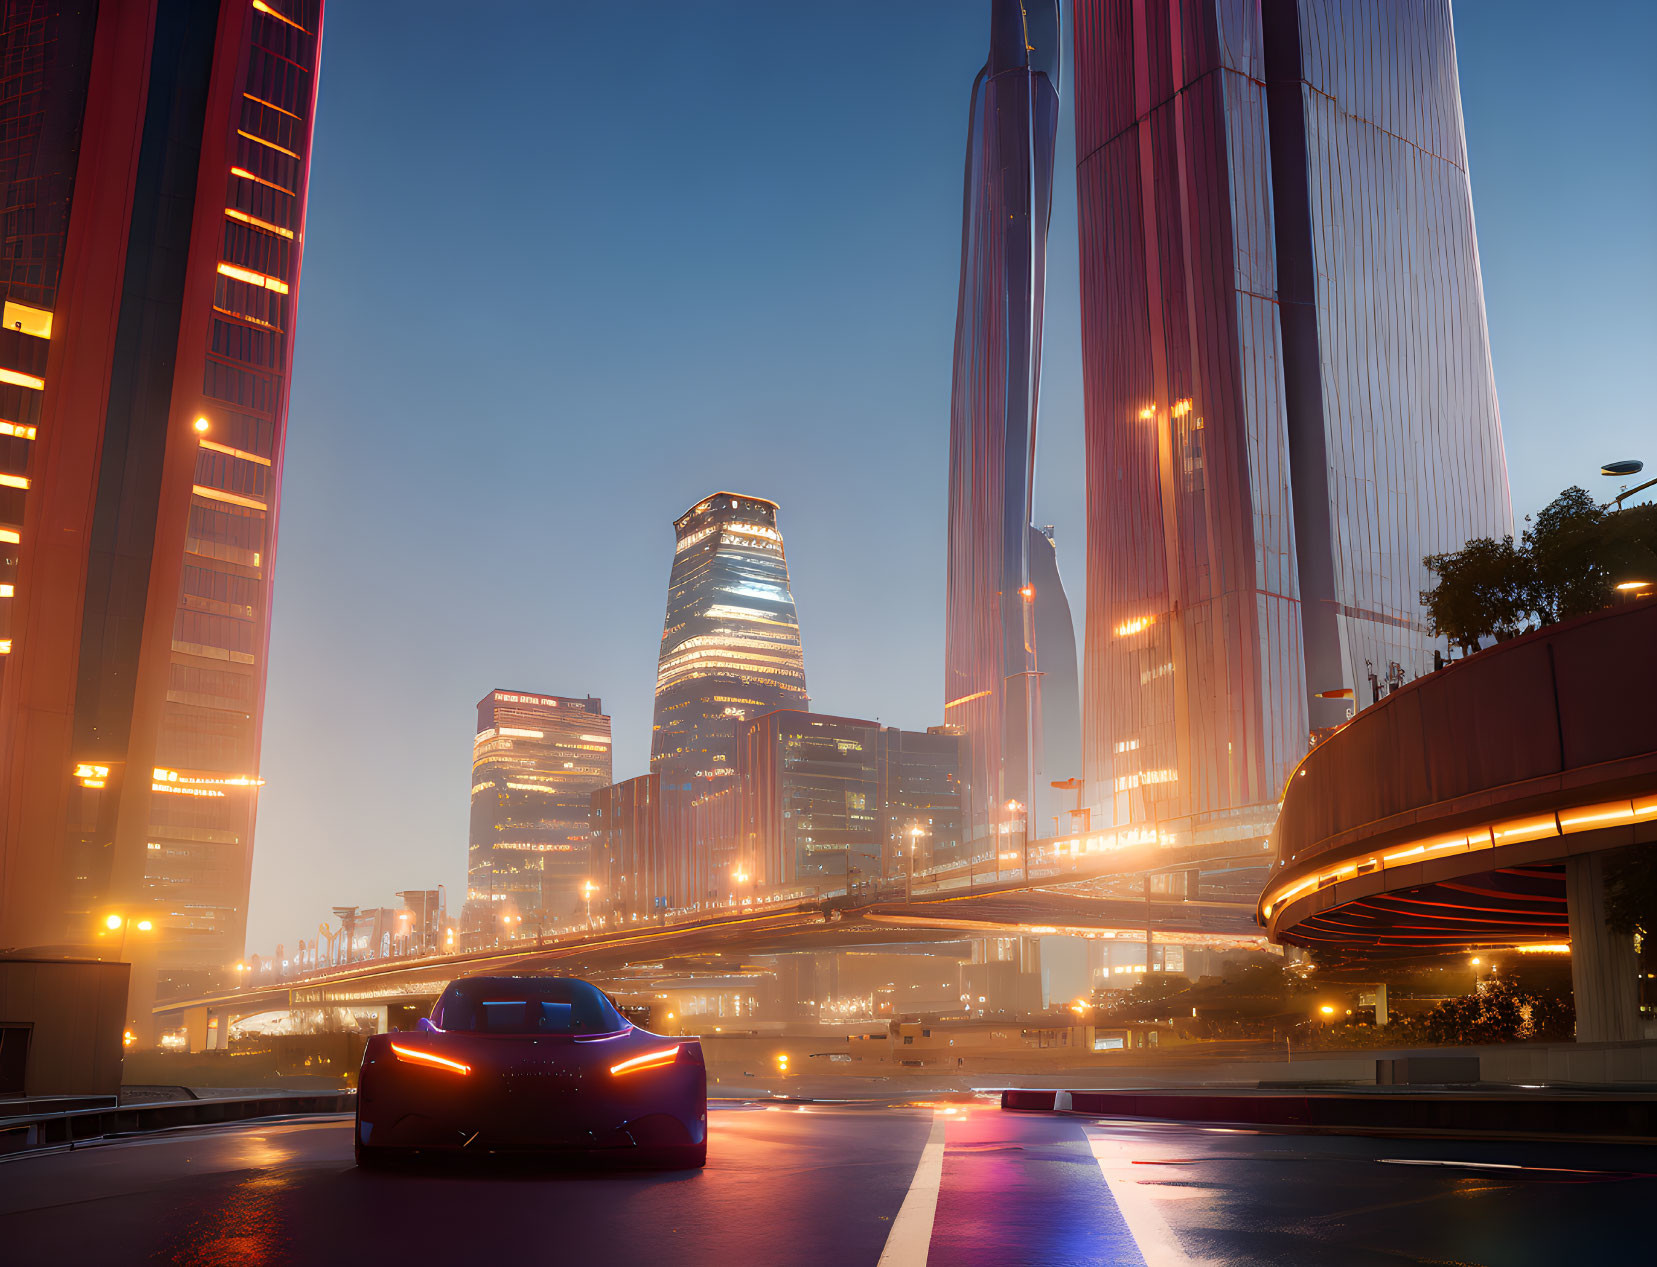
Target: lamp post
column 909, row 871
column 1627, row 466
column 587, row 892
column 1015, row 807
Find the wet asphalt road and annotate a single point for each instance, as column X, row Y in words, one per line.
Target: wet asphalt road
column 809, row 1184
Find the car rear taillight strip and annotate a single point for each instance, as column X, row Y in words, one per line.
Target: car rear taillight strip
column 430, row 1059
column 649, row 1060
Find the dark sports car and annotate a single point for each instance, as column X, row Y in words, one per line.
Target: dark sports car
column 532, row 1064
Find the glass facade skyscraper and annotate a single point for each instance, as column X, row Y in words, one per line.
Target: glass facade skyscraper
column 1288, row 385
column 730, row 643
column 994, row 640
column 824, row 798
column 536, row 762
column 154, row 176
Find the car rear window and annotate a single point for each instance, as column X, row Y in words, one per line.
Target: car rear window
column 522, row 1005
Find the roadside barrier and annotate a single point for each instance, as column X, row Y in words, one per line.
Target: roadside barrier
column 53, row 1130
column 1554, row 1114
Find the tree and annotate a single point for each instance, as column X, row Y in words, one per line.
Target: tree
column 1630, row 550
column 1631, row 892
column 1566, row 545
column 1573, row 556
column 1484, row 589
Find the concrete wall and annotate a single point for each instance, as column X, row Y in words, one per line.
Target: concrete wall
column 76, row 1011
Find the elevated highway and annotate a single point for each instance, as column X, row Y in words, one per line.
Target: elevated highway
column 1477, row 807
column 1057, row 904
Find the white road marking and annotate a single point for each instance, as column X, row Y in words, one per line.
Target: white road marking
column 911, row 1236
column 1157, row 1243
column 1464, row 1165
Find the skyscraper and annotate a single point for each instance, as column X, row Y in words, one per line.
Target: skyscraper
column 536, row 762
column 823, row 801
column 994, row 641
column 1288, row 384
column 731, row 640
column 810, row 801
column 154, row 177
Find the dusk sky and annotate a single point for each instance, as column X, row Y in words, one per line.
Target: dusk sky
column 570, row 267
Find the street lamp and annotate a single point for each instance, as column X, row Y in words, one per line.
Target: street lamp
column 1015, row 807
column 1627, row 466
column 587, row 892
column 909, row 871
column 121, row 923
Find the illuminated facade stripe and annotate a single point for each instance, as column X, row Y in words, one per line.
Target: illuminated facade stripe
column 244, row 174
column 19, row 379
column 1278, row 323
column 243, row 454
column 257, row 223
column 234, row 499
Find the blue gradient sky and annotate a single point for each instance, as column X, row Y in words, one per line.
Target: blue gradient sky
column 570, row 267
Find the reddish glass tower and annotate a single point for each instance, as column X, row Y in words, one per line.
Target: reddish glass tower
column 1288, row 387
column 155, row 186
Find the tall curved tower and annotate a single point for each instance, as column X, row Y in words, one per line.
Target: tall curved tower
column 991, row 660
column 731, row 640
column 1288, row 388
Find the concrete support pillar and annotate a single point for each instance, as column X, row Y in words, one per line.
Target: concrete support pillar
column 195, row 1029
column 1604, row 968
column 1376, row 996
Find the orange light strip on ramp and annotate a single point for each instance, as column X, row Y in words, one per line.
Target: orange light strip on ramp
column 417, row 1057
column 650, row 1060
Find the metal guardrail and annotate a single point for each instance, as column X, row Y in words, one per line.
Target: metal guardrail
column 1492, row 1112
column 53, row 1130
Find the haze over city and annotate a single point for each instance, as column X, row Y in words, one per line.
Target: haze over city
column 662, row 280
column 1022, row 627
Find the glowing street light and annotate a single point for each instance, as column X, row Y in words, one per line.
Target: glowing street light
column 1627, row 466
column 1014, row 808
column 116, row 922
column 201, row 425
column 909, row 871
column 587, row 891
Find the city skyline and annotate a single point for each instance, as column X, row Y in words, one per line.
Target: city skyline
column 875, row 620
